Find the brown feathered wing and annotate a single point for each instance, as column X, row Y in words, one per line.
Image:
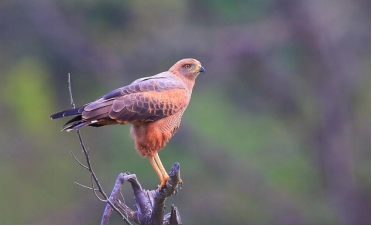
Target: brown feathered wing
column 146, row 99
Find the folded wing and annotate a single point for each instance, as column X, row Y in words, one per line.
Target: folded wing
column 146, row 99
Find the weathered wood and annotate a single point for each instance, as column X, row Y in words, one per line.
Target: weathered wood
column 150, row 205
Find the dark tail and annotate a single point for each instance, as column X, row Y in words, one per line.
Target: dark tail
column 65, row 113
column 73, row 124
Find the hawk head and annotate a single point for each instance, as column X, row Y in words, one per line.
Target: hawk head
column 189, row 68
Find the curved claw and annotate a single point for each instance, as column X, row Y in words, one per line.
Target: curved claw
column 163, row 183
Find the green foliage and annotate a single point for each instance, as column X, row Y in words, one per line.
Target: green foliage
column 27, row 94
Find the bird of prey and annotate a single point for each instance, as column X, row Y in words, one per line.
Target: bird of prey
column 152, row 105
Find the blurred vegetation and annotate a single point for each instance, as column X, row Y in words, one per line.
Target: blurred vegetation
column 277, row 132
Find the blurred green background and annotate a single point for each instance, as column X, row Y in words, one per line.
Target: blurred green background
column 277, row 131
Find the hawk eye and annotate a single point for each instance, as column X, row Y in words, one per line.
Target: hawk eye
column 187, row 66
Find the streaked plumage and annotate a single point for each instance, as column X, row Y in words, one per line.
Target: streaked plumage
column 153, row 105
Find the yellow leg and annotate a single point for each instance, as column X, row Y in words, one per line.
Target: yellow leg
column 156, row 168
column 161, row 167
column 162, row 170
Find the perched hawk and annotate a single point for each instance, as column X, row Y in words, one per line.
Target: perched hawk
column 153, row 105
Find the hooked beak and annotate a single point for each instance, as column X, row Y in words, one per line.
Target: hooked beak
column 201, row 69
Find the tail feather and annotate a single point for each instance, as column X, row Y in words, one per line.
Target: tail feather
column 78, row 126
column 75, row 123
column 70, row 112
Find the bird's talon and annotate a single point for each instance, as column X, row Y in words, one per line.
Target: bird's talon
column 180, row 183
column 163, row 183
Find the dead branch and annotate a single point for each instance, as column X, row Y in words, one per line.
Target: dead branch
column 150, row 205
column 94, row 178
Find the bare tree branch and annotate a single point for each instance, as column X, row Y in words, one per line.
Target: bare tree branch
column 70, row 91
column 94, row 178
column 114, row 198
column 173, row 217
column 151, row 204
column 161, row 196
column 77, row 160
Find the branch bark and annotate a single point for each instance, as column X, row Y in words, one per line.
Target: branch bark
column 150, row 205
column 161, row 196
